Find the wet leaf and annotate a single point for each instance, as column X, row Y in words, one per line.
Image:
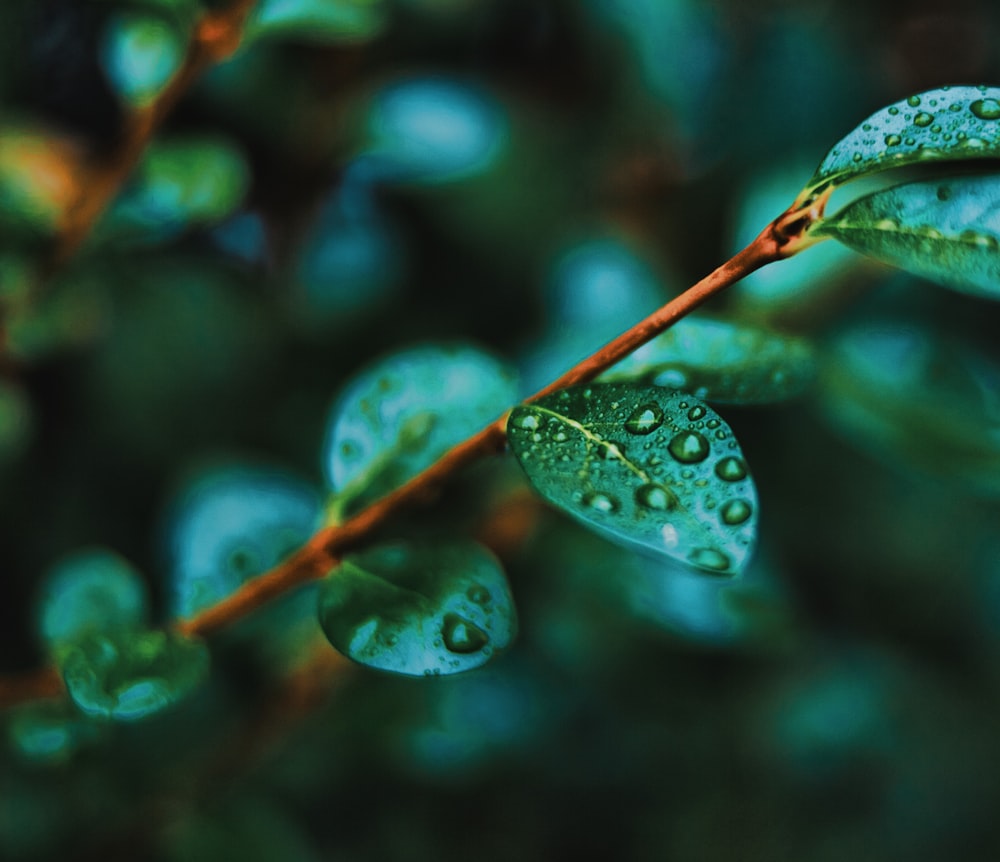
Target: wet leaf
column 644, row 465
column 419, row 610
column 946, row 230
column 402, row 413
column 949, row 124
column 132, row 675
column 721, row 361
column 91, row 591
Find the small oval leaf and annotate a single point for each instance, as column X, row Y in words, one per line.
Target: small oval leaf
column 945, row 230
column 948, row 124
column 140, row 54
column 132, row 675
column 320, row 21
column 90, row 591
column 644, row 465
column 721, row 361
column 402, row 413
column 419, row 611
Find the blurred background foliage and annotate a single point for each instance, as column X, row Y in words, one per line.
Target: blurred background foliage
column 531, row 176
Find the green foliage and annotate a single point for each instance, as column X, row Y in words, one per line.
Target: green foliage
column 947, row 230
column 401, row 414
column 645, row 465
column 722, row 361
column 322, row 21
column 944, row 125
column 140, row 55
column 131, row 675
column 419, row 610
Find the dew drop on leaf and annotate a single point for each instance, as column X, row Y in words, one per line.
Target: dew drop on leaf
column 986, row 109
column 710, row 559
column 645, row 419
column 736, row 512
column 462, row 636
column 689, row 447
column 731, row 469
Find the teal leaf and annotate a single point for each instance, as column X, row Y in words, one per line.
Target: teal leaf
column 645, row 466
column 229, row 525
column 948, row 124
column 132, row 675
column 88, row 592
column 404, row 412
column 322, row 21
column 432, row 130
column 48, row 732
column 140, row 54
column 946, row 230
column 915, row 397
column 181, row 182
column 419, row 610
column 720, row 361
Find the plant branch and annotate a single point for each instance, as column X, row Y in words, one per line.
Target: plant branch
column 325, row 549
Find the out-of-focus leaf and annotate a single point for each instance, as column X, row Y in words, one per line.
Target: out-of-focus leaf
column 140, row 54
column 15, row 421
column 48, row 732
column 402, row 413
column 946, row 230
column 431, row 130
column 905, row 393
column 645, row 466
column 324, row 21
column 90, row 592
column 717, row 360
column 181, row 182
column 132, row 675
column 418, row 610
column 38, row 178
column 231, row 525
column 948, row 124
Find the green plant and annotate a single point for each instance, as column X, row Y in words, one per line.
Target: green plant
column 627, row 441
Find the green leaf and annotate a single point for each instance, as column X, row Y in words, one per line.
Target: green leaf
column 417, row 610
column 184, row 181
column 945, row 230
column 89, row 592
column 323, row 21
column 132, row 675
column 401, row 414
column 49, row 732
column 914, row 396
column 949, row 124
column 140, row 54
column 721, row 361
column 645, row 465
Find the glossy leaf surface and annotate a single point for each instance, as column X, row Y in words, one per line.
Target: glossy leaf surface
column 140, row 54
column 948, row 124
column 946, row 230
column 721, row 361
column 133, row 675
column 645, row 465
column 404, row 412
column 90, row 592
column 419, row 610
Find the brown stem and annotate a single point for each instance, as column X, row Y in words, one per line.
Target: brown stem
column 215, row 36
column 323, row 551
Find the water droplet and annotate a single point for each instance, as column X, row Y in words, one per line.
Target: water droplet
column 526, row 421
column 893, row 140
column 709, row 558
column 735, row 512
column 654, row 496
column 689, row 447
column 955, row 107
column 910, row 142
column 731, row 469
column 713, row 423
column 461, row 636
column 599, row 502
column 886, row 224
column 923, row 119
column 913, row 101
column 697, row 412
column 560, row 436
column 611, row 451
column 478, row 593
column 893, row 111
column 857, row 157
column 645, row 419
column 986, row 109
column 936, row 129
column 866, row 127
